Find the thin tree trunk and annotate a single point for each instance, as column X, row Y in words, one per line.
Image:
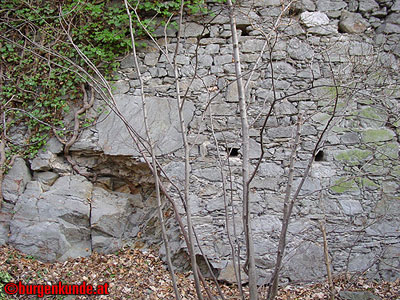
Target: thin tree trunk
column 154, row 162
column 273, row 289
column 327, row 261
column 245, row 159
column 180, row 104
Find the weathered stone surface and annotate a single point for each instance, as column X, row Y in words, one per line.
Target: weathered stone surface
column 120, row 87
column 351, row 207
column 151, row 59
column 270, row 170
column 330, row 5
column 297, row 266
column 352, row 23
column 396, row 6
column 388, row 28
column 228, row 274
column 114, row 216
column 367, row 6
column 285, row 108
column 283, row 132
column 15, row 180
column 163, row 123
column 53, row 225
column 46, row 178
column 351, row 295
column 377, row 135
column 323, row 30
column 211, row 174
column 191, row 29
column 6, row 213
column 299, row 50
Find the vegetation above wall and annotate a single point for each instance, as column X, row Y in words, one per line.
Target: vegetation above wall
column 41, row 73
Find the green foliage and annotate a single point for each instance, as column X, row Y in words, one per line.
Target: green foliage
column 5, row 277
column 41, row 78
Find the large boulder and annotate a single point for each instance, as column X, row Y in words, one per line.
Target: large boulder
column 53, row 225
column 117, row 217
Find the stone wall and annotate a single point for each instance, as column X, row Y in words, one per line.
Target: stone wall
column 313, row 55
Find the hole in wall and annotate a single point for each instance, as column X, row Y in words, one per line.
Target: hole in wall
column 320, row 156
column 233, row 152
column 243, row 28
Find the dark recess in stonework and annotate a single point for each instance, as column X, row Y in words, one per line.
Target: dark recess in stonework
column 233, row 152
column 319, row 156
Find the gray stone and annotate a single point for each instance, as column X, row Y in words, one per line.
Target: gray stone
column 297, row 267
column 191, row 29
column 163, row 122
column 283, row 68
column 283, row 132
column 120, row 87
column 170, row 32
column 111, row 218
column 216, row 204
column 151, row 59
column 205, row 60
column 323, row 30
column 127, row 62
column 47, row 178
column 270, row 170
column 254, row 149
column 265, row 225
column 330, row 5
column 299, row 50
column 253, row 45
column 228, row 274
column 6, row 213
column 351, row 207
column 352, row 23
column 396, row 6
column 212, row 49
column 223, row 59
column 285, row 108
column 211, row 174
column 232, row 92
column 393, row 18
column 351, row 295
column 367, row 6
column 53, row 225
column 388, row 28
column 15, row 180
column 43, row 161
column 175, row 171
column 304, row 5
column 310, row 185
column 54, row 146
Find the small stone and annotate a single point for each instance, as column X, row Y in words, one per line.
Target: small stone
column 352, row 23
column 330, row 5
column 367, row 6
column 120, row 87
column 193, row 29
column 311, row 19
column 151, row 59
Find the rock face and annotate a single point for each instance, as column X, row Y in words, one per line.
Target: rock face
column 115, row 139
column 331, row 63
column 54, row 224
